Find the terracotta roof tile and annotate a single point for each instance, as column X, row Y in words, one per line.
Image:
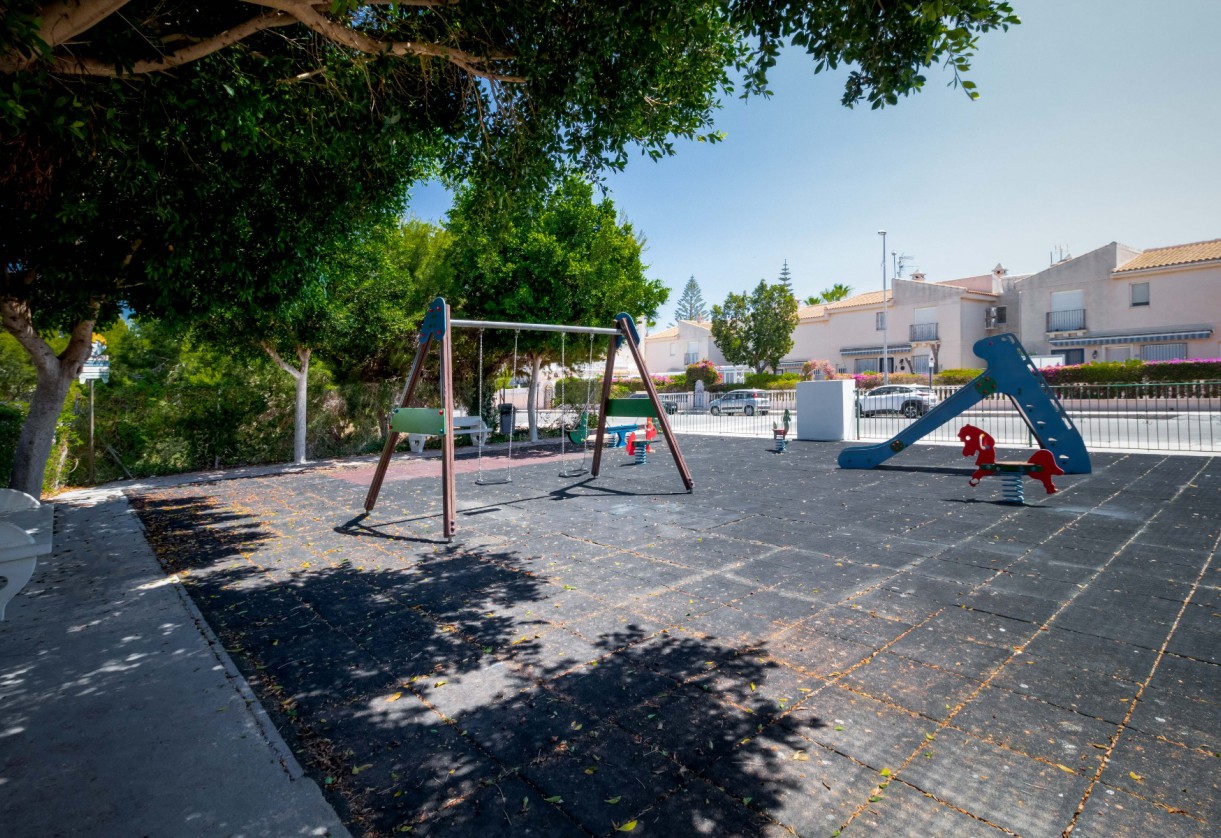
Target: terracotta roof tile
column 1179, row 254
column 810, row 311
column 671, row 332
column 870, row 298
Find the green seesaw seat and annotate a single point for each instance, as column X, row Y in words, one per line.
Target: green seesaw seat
column 622, row 408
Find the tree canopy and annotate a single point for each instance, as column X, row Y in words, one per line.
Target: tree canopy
column 756, row 328
column 691, row 305
column 835, row 293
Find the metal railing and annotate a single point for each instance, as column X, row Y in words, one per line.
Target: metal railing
column 1066, row 321
column 1125, row 417
column 690, row 358
column 923, row 331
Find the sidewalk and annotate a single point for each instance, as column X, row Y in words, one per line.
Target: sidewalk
column 122, row 714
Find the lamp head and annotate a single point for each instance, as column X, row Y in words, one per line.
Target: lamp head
column 881, row 232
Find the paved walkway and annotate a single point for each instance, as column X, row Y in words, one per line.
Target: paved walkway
column 122, row 714
column 791, row 649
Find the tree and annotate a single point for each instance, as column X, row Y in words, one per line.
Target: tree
column 756, row 328
column 125, row 184
column 559, row 257
column 691, row 304
column 786, row 277
column 835, row 293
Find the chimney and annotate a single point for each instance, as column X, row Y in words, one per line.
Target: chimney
column 918, row 276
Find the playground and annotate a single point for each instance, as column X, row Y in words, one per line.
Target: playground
column 793, row 646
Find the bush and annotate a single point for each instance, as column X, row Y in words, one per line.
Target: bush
column 11, row 419
column 1134, row 371
column 704, row 371
column 772, row 381
column 956, row 376
column 809, row 368
column 1194, row 369
column 869, row 380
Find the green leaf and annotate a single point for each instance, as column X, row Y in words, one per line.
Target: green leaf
column 553, row 799
column 613, row 800
column 627, row 827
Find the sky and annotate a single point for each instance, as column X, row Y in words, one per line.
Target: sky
column 1098, row 121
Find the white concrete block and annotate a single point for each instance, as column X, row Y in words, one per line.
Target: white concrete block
column 824, row 409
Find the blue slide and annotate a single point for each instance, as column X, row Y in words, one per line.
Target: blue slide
column 1011, row 372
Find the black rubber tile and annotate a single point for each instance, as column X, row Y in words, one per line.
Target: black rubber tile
column 690, row 726
column 1037, row 729
column 897, row 605
column 868, row 730
column 966, row 575
column 1175, row 777
column 668, row 607
column 913, row 686
column 1186, row 721
column 1194, row 679
column 981, row 627
column 1109, row 813
column 699, row 808
column 781, row 608
column 901, row 810
column 962, row 657
column 1057, row 682
column 1076, row 651
column 616, row 684
column 1134, row 625
column 811, row 790
column 605, row 778
column 854, row 622
column 818, row 653
column 1031, row 609
column 507, row 807
column 526, row 727
column 1032, row 584
column 732, row 626
column 715, row 587
column 1001, row 787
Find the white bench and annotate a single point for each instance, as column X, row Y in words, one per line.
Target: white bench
column 25, row 534
column 472, row 425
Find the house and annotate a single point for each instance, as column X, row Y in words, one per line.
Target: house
column 1116, row 303
column 921, row 325
column 674, row 349
column 1113, row 303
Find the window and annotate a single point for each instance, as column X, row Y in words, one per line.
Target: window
column 1074, row 356
column 674, row 349
column 1163, row 352
column 920, row 364
column 1119, row 353
column 1140, row 293
column 879, row 322
column 861, row 365
column 890, row 363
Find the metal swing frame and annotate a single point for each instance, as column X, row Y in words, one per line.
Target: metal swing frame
column 437, row 329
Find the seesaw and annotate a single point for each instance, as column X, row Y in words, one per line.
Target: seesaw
column 1010, row 372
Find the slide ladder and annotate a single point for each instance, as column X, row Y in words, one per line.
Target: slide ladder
column 1011, row 372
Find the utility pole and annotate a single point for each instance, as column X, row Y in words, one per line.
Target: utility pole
column 885, row 319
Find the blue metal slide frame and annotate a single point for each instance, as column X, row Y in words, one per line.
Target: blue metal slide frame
column 1011, row 372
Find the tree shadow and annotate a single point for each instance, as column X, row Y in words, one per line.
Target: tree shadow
column 474, row 691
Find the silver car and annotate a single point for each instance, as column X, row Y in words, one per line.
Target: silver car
column 748, row 402
column 911, row 400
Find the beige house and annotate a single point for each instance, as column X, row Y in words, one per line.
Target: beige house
column 922, row 325
column 676, row 348
column 1117, row 302
column 1112, row 303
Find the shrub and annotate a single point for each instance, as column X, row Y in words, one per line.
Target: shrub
column 869, row 380
column 956, row 376
column 1194, row 369
column 704, row 371
column 11, row 418
column 1100, row 372
column 809, row 368
column 772, row 381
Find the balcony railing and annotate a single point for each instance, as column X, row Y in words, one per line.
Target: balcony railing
column 923, row 332
column 1066, row 321
column 691, row 358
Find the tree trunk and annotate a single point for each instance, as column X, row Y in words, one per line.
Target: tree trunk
column 536, row 365
column 301, row 379
column 55, row 375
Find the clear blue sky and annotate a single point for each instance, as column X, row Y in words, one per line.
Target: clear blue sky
column 1099, row 121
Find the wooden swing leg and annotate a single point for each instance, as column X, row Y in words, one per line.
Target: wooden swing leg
column 392, row 437
column 602, row 406
column 649, row 387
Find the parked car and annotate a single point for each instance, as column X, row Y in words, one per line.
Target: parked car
column 911, row 400
column 749, row 402
column 671, row 406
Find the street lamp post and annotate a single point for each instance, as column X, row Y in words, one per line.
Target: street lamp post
column 885, row 319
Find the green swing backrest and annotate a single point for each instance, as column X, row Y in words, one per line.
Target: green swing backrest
column 633, row 408
column 418, row 420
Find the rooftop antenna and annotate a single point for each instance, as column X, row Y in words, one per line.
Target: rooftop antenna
column 900, row 262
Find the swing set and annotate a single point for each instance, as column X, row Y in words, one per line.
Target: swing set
column 437, row 329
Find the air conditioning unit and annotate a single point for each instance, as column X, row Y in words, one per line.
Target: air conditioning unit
column 995, row 316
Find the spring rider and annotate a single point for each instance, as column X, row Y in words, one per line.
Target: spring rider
column 1041, row 466
column 781, row 434
column 641, row 450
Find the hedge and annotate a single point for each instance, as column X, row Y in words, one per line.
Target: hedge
column 1136, row 372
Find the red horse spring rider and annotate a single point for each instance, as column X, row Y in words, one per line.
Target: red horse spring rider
column 1041, row 466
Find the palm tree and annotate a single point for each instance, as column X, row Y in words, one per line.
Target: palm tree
column 836, row 292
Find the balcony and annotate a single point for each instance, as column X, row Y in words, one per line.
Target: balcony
column 1066, row 321
column 923, row 332
column 691, row 358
